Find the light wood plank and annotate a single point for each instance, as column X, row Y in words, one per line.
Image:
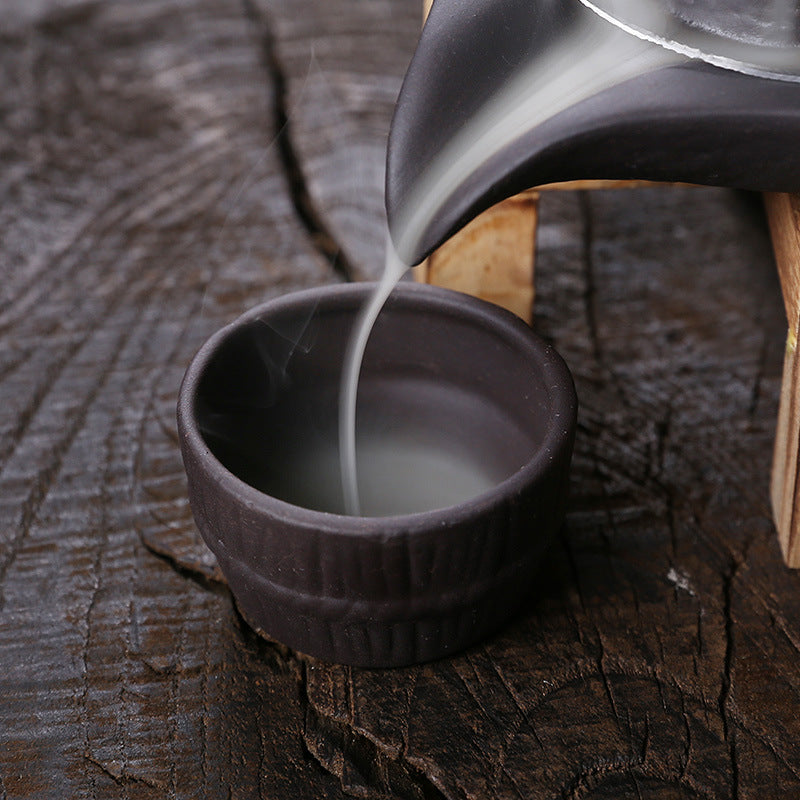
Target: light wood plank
column 783, row 212
column 493, row 256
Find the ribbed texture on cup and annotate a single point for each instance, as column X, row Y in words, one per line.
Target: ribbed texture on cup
column 378, row 600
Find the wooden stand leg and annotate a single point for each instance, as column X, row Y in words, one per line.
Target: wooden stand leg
column 492, row 257
column 783, row 212
column 784, row 489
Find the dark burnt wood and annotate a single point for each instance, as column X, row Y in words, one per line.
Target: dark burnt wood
column 144, row 201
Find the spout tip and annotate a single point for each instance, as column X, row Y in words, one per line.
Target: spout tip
column 466, row 50
column 413, row 243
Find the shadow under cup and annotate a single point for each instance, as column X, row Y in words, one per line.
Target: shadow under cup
column 465, row 424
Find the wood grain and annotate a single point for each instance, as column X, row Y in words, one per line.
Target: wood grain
column 342, row 65
column 142, row 207
column 144, row 204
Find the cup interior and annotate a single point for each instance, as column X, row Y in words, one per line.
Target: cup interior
column 451, row 402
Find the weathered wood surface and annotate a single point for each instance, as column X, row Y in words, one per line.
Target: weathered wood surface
column 144, row 202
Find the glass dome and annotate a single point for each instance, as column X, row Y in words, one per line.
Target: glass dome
column 757, row 38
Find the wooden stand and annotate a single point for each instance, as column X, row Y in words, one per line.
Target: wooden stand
column 783, row 212
column 494, row 258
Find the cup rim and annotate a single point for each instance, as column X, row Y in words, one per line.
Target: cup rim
column 559, row 431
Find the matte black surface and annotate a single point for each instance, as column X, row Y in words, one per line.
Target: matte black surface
column 392, row 590
column 693, row 123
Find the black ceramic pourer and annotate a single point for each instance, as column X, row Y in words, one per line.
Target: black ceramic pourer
column 689, row 121
column 377, row 591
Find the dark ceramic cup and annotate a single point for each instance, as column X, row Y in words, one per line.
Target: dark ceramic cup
column 440, row 368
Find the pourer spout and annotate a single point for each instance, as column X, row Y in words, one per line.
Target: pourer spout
column 505, row 95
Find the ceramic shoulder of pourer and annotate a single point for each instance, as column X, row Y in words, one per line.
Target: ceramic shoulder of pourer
column 504, row 95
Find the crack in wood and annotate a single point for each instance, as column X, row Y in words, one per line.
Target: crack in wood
column 725, row 697
column 361, row 762
column 517, row 701
column 302, row 201
column 364, row 764
column 601, row 668
column 210, row 580
column 123, row 778
column 686, row 757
